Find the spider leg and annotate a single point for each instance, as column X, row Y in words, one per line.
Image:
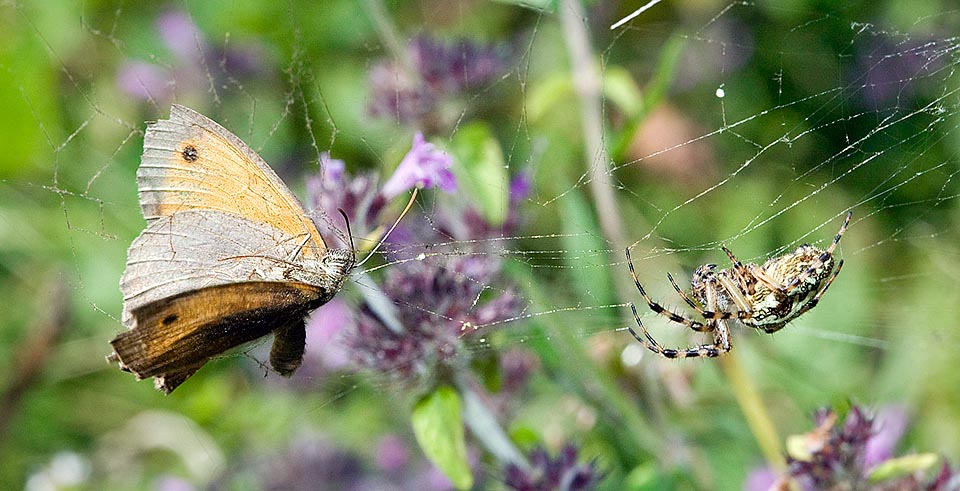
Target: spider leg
column 711, row 314
column 767, row 281
column 824, row 256
column 741, row 271
column 721, row 338
column 745, row 271
column 721, row 335
column 654, row 306
column 705, row 350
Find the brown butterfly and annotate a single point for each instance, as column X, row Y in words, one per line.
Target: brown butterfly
column 229, row 255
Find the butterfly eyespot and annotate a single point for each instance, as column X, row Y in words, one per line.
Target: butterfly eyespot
column 190, row 153
column 170, row 319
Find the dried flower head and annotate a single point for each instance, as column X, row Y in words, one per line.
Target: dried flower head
column 857, row 454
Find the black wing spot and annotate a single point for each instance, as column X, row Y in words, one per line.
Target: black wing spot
column 170, row 319
column 190, row 153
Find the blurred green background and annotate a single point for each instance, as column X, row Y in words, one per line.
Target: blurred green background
column 755, row 126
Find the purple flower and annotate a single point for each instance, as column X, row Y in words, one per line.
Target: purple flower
column 457, row 66
column 842, row 456
column 358, row 196
column 180, row 35
column 520, row 187
column 439, row 72
column 324, row 329
column 562, row 473
column 194, row 63
column 145, row 81
column 890, row 424
column 761, row 479
column 173, row 483
column 393, row 454
column 893, row 72
column 424, row 166
column 438, row 303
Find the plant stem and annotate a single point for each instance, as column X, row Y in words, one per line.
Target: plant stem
column 485, row 428
column 753, row 410
column 389, row 35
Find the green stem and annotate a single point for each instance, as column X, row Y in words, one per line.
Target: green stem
column 485, row 428
column 753, row 410
column 389, row 35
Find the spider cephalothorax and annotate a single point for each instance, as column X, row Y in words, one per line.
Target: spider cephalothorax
column 765, row 297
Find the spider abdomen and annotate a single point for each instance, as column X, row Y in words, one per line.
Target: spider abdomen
column 801, row 273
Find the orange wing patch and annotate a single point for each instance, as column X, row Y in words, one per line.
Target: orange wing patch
column 192, row 163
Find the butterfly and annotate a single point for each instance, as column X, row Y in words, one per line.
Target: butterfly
column 228, row 256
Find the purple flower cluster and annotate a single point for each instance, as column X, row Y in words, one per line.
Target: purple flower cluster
column 831, row 454
column 562, row 473
column 844, row 456
column 440, row 71
column 439, row 299
column 439, row 302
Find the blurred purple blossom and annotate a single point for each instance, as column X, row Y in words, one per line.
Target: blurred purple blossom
column 761, row 479
column 324, row 330
column 438, row 303
column 440, row 71
column 562, row 473
column 194, row 63
column 358, row 196
column 891, row 71
column 180, row 35
column 393, row 454
column 424, row 166
column 315, row 463
column 840, row 456
column 890, row 425
column 520, row 187
column 457, row 66
column 144, row 81
column 173, row 483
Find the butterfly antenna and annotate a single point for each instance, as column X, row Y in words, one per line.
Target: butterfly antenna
column 353, row 247
column 392, row 227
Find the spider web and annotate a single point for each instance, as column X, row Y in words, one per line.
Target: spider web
column 711, row 131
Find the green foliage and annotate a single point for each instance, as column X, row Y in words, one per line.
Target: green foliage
column 438, row 426
column 824, row 110
column 481, row 170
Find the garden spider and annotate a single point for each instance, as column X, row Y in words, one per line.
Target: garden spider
column 764, row 297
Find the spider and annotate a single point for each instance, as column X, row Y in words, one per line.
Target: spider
column 764, row 297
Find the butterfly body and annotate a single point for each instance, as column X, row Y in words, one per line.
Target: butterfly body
column 228, row 256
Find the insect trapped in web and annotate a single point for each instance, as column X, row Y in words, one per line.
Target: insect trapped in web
column 229, row 255
column 765, row 297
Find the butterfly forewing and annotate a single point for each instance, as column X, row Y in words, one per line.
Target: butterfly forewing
column 192, row 163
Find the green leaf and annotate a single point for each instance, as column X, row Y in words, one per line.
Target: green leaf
column 438, row 426
column 482, row 170
column 620, row 89
column 553, row 92
column 902, row 466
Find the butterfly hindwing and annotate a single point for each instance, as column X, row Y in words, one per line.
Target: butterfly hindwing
column 174, row 337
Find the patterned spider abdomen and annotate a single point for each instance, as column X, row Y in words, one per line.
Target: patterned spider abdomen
column 801, row 274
